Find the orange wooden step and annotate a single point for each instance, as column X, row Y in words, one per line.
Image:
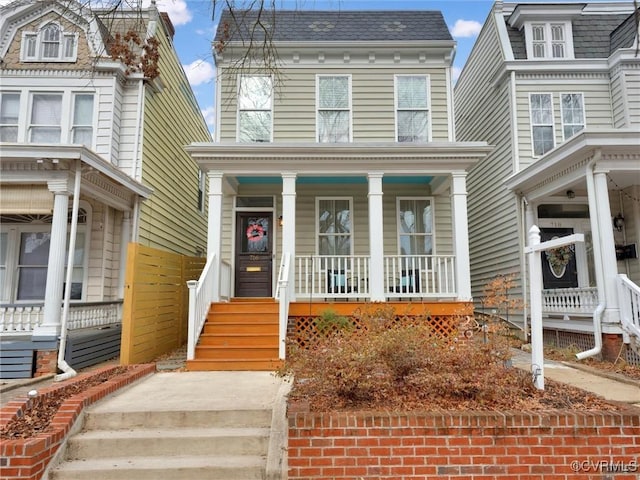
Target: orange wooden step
column 240, row 339
column 233, row 365
column 235, row 352
column 258, row 328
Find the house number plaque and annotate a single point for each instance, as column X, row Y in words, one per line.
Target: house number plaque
column 254, row 269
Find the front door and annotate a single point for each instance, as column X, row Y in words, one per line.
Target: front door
column 254, row 246
column 559, row 266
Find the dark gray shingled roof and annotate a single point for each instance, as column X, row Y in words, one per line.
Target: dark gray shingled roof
column 592, row 36
column 336, row 26
column 623, row 36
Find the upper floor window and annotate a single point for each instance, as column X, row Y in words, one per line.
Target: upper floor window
column 334, row 108
column 334, row 226
column 549, row 40
column 9, row 114
column 255, row 103
column 412, row 108
column 82, row 128
column 541, row 112
column 45, row 125
column 50, row 44
column 415, row 226
column 572, row 108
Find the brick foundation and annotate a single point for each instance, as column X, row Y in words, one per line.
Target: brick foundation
column 46, row 362
column 611, row 346
column 470, row 445
column 28, row 458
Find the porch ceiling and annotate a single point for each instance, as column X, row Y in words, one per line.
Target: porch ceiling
column 353, row 159
column 616, row 151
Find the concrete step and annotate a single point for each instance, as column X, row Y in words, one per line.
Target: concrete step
column 126, row 420
column 142, row 442
column 191, row 467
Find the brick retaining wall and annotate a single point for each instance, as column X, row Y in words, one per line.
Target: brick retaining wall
column 470, row 445
column 27, row 458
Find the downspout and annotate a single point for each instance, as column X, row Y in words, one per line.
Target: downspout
column 597, row 256
column 62, row 364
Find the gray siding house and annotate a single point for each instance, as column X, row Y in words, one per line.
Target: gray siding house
column 555, row 88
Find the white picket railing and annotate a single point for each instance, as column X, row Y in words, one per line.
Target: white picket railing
column 324, row 276
column 629, row 294
column 22, row 319
column 201, row 294
column 581, row 300
column 420, row 276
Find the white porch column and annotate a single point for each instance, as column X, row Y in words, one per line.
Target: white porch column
column 214, row 227
column 125, row 238
column 461, row 234
column 289, row 225
column 376, row 242
column 607, row 247
column 50, row 326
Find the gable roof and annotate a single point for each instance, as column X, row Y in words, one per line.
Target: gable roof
column 334, row 26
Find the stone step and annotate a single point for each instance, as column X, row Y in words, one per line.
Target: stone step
column 185, row 467
column 96, row 444
column 115, row 420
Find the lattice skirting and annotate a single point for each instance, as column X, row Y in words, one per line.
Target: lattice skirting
column 582, row 342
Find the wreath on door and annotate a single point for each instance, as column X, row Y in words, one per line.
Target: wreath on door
column 255, row 233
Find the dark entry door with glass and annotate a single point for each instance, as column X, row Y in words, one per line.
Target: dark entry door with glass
column 559, row 266
column 254, row 246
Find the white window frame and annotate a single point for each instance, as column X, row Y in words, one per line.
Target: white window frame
column 9, row 292
column 63, row 126
column 17, row 124
column 239, row 110
column 584, row 115
column 548, row 41
column 427, row 108
column 349, row 108
column 532, row 125
column 74, row 125
column 317, row 222
column 36, row 41
column 399, row 234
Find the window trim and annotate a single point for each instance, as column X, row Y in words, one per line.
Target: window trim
column 38, row 40
column 73, row 125
column 531, row 124
column 584, row 115
column 349, row 109
column 396, row 109
column 548, row 39
column 17, row 124
column 9, row 292
column 64, row 116
column 317, row 222
column 431, row 201
column 239, row 110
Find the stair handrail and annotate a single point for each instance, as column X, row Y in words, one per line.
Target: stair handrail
column 629, row 307
column 282, row 295
column 201, row 294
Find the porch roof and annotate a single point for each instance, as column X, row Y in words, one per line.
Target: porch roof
column 390, row 158
column 616, row 150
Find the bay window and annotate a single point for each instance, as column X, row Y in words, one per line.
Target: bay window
column 334, row 108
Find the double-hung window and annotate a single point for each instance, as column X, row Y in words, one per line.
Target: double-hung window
column 9, row 114
column 82, row 128
column 549, row 40
column 572, row 108
column 412, row 108
column 49, row 44
column 334, row 226
column 415, row 225
column 541, row 111
column 334, row 108
column 255, row 103
column 46, row 118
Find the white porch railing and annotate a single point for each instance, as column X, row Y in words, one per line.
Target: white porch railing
column 420, row 276
column 581, row 300
column 21, row 319
column 630, row 308
column 320, row 276
column 282, row 294
column 201, row 294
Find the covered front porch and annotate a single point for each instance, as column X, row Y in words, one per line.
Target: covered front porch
column 327, row 223
column 588, row 185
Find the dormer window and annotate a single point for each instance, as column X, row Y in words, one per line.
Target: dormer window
column 50, row 44
column 548, row 41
